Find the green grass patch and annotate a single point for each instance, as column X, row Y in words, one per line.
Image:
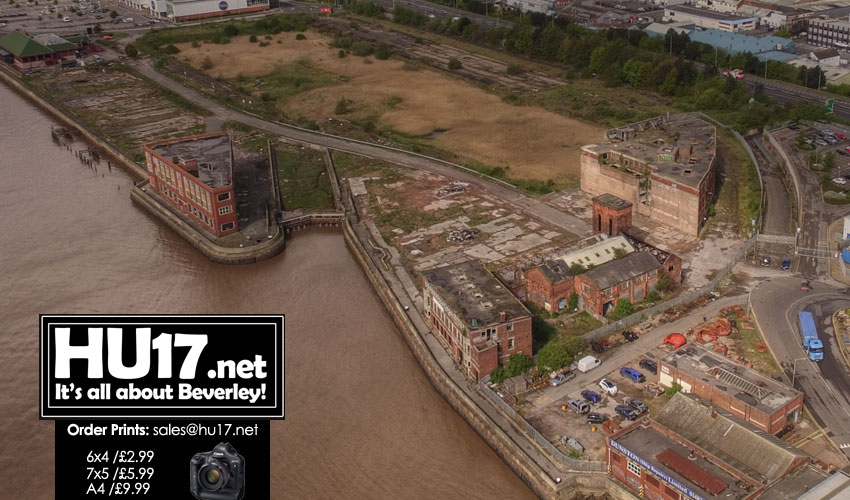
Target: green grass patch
column 287, row 80
column 304, row 182
column 579, row 324
column 745, row 177
column 762, row 361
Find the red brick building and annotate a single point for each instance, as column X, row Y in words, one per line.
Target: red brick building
column 694, row 452
column 629, row 278
column 611, row 214
column 761, row 401
column 549, row 285
column 195, row 175
column 478, row 321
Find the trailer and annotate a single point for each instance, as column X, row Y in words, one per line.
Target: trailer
column 809, row 333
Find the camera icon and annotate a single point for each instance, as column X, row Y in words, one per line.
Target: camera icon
column 218, row 474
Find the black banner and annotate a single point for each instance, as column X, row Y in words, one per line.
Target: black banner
column 161, row 366
column 207, row 459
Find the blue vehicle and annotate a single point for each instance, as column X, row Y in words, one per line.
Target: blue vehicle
column 591, row 396
column 811, row 343
column 632, row 374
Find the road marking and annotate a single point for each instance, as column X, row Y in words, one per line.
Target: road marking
column 844, row 446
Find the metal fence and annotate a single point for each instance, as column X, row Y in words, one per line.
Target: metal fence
column 568, row 462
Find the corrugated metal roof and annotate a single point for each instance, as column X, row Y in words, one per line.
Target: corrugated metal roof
column 736, row 43
column 617, row 271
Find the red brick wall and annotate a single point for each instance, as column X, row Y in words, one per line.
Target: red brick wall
column 609, row 221
column 538, row 287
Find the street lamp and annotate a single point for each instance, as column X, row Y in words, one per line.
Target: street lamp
column 794, row 372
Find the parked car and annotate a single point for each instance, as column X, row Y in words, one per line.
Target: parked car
column 66, row 19
column 805, row 285
column 840, row 181
column 578, row 406
column 847, row 149
column 842, row 152
column 632, row 374
column 107, row 37
column 608, row 386
column 765, row 261
column 636, row 404
column 128, row 20
column 650, row 365
column 590, row 396
column 840, row 136
column 97, row 58
column 846, row 176
column 786, row 264
column 794, row 126
column 626, row 412
column 653, row 389
column 821, row 142
column 99, row 16
column 596, row 418
column 630, row 336
column 561, row 378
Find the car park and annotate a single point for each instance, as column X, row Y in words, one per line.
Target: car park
column 596, row 418
column 630, row 336
column 590, row 396
column 626, row 412
column 633, row 374
column 649, row 365
column 578, row 406
column 765, row 261
column 786, row 264
column 561, row 378
column 636, row 404
column 608, row 386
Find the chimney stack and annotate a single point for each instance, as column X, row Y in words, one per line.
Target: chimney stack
column 503, row 316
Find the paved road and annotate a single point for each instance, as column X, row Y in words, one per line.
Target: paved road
column 787, row 93
column 826, row 385
column 815, row 214
column 777, row 209
column 565, row 221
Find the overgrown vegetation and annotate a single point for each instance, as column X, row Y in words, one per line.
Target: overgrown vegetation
column 556, row 355
column 156, row 42
column 304, row 182
column 621, row 310
column 517, row 365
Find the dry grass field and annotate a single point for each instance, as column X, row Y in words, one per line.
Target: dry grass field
column 532, row 142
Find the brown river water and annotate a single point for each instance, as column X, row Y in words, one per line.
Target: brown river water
column 362, row 421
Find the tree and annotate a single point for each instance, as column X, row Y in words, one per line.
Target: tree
column 231, row 30
column 622, row 309
column 669, row 85
column 131, row 50
column 517, row 365
column 576, row 269
column 673, row 389
column 454, row 64
column 341, row 106
column 206, row 63
column 382, row 51
column 572, row 305
column 113, row 14
column 97, row 28
column 553, row 356
column 665, row 282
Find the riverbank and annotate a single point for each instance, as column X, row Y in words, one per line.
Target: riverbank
column 495, row 428
column 150, row 203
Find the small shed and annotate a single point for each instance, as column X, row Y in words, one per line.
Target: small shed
column 516, row 385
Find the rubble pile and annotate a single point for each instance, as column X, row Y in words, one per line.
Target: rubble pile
column 452, row 188
column 462, row 235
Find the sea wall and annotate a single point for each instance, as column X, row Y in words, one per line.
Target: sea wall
column 545, row 487
column 216, row 253
column 89, row 135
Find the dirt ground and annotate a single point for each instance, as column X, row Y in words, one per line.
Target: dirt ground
column 460, row 117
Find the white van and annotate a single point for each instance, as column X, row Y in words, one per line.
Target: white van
column 588, row 363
